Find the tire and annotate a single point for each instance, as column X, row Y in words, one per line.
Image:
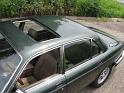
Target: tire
column 102, row 77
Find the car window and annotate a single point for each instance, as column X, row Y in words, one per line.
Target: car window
column 40, row 68
column 35, row 30
column 9, row 60
column 76, row 53
column 95, row 49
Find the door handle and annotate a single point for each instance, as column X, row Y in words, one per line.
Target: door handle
column 59, row 84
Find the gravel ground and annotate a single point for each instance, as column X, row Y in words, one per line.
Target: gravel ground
column 115, row 83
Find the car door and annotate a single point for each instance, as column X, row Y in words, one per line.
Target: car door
column 50, row 85
column 53, row 84
column 45, row 75
column 80, row 68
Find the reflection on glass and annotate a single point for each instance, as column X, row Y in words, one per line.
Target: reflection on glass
column 9, row 60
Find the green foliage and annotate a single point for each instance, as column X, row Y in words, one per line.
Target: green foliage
column 100, row 8
column 88, row 7
column 93, row 8
column 111, row 8
column 10, row 8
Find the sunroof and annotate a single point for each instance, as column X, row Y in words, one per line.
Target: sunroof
column 35, row 30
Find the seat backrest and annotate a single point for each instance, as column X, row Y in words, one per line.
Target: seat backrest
column 39, row 35
column 33, row 33
column 46, row 66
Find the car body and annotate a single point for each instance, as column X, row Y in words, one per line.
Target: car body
column 121, row 1
column 43, row 54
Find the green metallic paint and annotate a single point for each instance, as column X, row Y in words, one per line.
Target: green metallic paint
column 69, row 31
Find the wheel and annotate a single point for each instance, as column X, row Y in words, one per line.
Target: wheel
column 102, row 77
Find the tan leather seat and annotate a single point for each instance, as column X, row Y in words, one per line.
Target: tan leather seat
column 26, row 81
column 46, row 66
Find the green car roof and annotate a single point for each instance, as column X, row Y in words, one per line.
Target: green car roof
column 62, row 26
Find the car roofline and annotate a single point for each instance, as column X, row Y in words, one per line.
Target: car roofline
column 68, row 37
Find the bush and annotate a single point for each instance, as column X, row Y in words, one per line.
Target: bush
column 110, row 8
column 7, row 8
column 100, row 8
column 93, row 8
column 88, row 7
column 10, row 8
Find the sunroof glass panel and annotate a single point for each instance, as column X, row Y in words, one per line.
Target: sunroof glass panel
column 34, row 30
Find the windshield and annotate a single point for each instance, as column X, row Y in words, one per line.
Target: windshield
column 9, row 60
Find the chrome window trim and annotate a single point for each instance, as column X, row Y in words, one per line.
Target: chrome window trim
column 32, row 57
column 27, row 20
column 62, row 59
column 44, row 82
column 47, row 50
column 38, row 54
column 24, row 65
column 119, row 58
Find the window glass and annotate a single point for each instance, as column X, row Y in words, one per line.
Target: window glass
column 77, row 52
column 40, row 68
column 34, row 30
column 9, row 60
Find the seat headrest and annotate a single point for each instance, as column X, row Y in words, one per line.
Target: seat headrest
column 34, row 34
column 39, row 35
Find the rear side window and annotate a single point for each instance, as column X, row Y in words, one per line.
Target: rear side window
column 95, row 49
column 76, row 53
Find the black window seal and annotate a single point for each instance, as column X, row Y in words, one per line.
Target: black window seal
column 100, row 50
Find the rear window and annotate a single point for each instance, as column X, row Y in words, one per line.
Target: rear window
column 35, row 30
column 9, row 60
column 105, row 37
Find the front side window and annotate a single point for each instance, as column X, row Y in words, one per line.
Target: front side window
column 40, row 68
column 9, row 60
column 76, row 53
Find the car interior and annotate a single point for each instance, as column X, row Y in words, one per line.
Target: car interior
column 82, row 51
column 34, row 30
column 39, row 68
column 40, row 35
column 5, row 48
